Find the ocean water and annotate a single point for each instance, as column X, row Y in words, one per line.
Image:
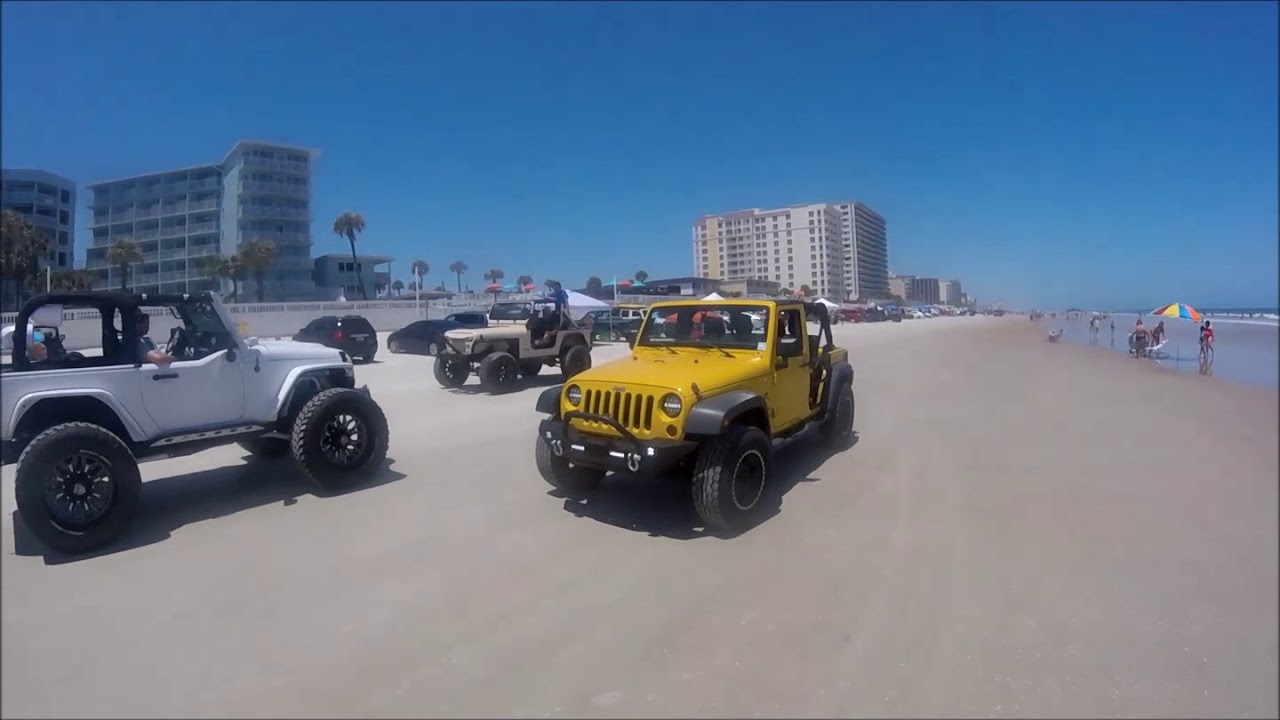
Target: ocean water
column 1246, row 349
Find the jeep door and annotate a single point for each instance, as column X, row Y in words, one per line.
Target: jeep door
column 789, row 399
column 189, row 394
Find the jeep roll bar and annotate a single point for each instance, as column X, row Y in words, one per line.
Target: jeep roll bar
column 819, row 311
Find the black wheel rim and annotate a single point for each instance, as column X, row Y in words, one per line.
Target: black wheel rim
column 80, row 490
column 344, row 440
column 748, row 480
column 505, row 372
column 452, row 369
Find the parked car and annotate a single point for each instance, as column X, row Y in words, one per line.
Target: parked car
column 426, row 337
column 350, row 333
column 615, row 323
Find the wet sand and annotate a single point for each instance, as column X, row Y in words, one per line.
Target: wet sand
column 1023, row 529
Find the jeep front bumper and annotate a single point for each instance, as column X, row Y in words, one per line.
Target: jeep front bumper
column 615, row 454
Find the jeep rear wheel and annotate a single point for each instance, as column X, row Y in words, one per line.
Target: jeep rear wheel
column 340, row 438
column 837, row 427
column 499, row 372
column 730, row 478
column 452, row 371
column 571, row 479
column 574, row 361
column 77, row 487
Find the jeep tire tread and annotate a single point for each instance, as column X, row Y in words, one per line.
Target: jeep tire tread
column 451, row 371
column 35, row 470
column 720, row 461
column 309, row 434
column 836, row 428
column 573, row 480
column 265, row 447
column 575, row 360
column 499, row 372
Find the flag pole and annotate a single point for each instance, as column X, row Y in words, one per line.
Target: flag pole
column 615, row 290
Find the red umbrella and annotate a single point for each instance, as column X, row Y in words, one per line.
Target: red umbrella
column 493, row 287
column 530, row 286
column 625, row 283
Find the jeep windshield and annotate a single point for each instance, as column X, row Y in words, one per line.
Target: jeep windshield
column 727, row 327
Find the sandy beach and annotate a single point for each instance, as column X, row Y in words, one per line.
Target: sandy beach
column 1023, row 529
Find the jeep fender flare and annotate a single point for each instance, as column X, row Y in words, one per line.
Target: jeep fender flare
column 841, row 373
column 549, row 400
column 30, row 400
column 713, row 415
column 304, row 376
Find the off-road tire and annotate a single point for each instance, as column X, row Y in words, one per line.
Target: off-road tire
column 574, row 361
column 836, row 428
column 719, row 463
column 614, row 335
column 573, row 480
column 35, row 468
column 265, row 447
column 309, row 431
column 531, row 368
column 499, row 372
column 452, row 378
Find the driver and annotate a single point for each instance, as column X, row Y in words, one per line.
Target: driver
column 143, row 349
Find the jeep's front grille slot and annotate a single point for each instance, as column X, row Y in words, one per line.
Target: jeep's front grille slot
column 633, row 410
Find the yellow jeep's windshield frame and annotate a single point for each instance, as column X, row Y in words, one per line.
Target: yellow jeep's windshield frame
column 648, row 336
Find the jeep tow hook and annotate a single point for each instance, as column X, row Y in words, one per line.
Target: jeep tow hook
column 557, row 448
column 633, row 461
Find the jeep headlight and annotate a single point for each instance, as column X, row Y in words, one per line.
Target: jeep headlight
column 672, row 405
column 574, row 395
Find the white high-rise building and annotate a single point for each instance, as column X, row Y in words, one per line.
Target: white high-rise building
column 866, row 251
column 797, row 246
column 180, row 218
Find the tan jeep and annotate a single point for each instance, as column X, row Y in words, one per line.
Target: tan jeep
column 522, row 337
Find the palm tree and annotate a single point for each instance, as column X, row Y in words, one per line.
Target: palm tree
column 348, row 225
column 397, row 287
column 258, row 256
column 458, row 268
column 806, row 291
column 641, row 276
column 227, row 268
column 21, row 248
column 494, row 277
column 594, row 285
column 524, row 281
column 71, row 280
column 549, row 283
column 786, row 291
column 124, row 254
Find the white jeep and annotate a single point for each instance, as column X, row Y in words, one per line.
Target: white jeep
column 522, row 337
column 77, row 424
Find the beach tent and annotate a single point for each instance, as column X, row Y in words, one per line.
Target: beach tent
column 713, row 296
column 580, row 305
column 830, row 305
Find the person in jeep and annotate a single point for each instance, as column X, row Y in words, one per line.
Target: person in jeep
column 143, row 350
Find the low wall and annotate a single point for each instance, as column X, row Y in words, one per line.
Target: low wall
column 83, row 328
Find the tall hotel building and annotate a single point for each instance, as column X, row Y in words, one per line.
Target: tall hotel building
column 837, row 249
column 795, row 246
column 181, row 218
column 48, row 203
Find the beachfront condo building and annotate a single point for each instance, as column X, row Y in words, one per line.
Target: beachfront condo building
column 925, row 290
column 866, row 251
column 48, row 203
column 798, row 246
column 181, row 219
column 949, row 293
column 900, row 285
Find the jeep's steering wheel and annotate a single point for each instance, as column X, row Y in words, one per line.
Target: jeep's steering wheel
column 177, row 342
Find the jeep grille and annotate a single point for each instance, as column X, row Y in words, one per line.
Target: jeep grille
column 633, row 410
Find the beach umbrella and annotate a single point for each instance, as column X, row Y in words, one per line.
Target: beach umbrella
column 1177, row 310
column 530, row 287
column 637, row 284
column 493, row 288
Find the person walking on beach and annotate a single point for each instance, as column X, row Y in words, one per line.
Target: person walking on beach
column 1094, row 324
column 1138, row 339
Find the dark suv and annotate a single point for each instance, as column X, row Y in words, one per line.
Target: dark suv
column 350, row 333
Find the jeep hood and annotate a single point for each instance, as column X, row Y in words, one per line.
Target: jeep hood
column 291, row 351
column 495, row 332
column 676, row 372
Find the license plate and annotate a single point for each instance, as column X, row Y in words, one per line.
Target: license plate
column 359, row 337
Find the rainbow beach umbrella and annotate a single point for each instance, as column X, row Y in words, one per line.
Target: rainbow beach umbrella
column 1177, row 310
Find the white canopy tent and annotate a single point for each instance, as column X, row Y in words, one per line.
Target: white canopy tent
column 830, row 305
column 580, row 305
column 713, row 296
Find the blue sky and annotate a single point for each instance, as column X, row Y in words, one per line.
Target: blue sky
column 1102, row 154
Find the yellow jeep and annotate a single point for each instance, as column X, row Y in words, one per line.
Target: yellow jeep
column 709, row 385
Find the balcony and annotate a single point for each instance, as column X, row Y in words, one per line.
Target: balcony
column 148, row 279
column 173, row 209
column 203, row 205
column 202, row 250
column 274, row 213
column 274, row 188
column 278, row 238
column 258, row 163
column 170, row 231
column 172, row 276
column 197, row 228
column 147, row 212
column 173, row 254
column 208, row 183
column 146, row 234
